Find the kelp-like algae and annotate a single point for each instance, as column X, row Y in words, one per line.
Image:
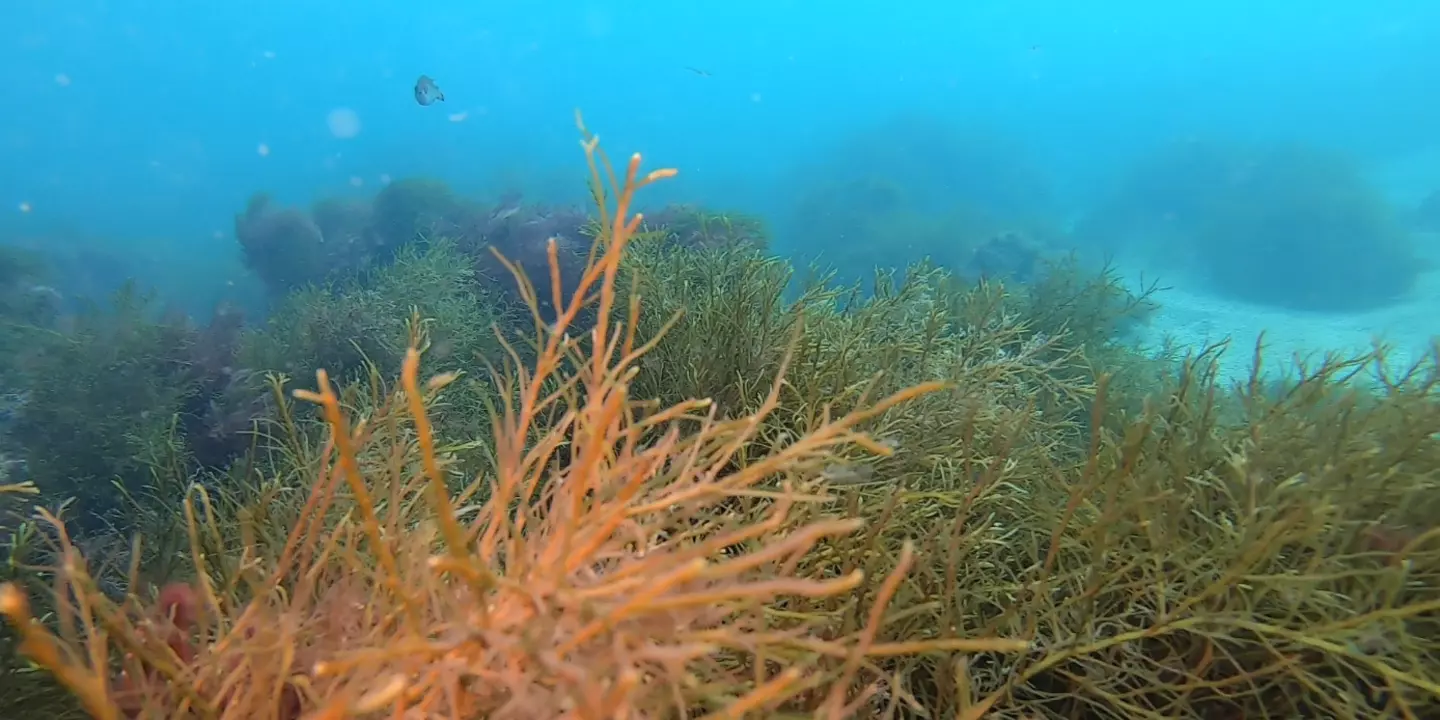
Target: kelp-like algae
column 591, row 574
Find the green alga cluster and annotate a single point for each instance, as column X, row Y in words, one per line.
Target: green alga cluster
column 1172, row 546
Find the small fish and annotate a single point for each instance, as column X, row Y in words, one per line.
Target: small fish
column 507, row 208
column 697, row 71
column 427, row 92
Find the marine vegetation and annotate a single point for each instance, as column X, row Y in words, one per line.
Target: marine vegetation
column 1172, row 547
column 1313, row 235
column 290, row 248
column 284, row 246
column 1287, row 226
column 345, row 242
column 1425, row 216
column 694, row 227
column 125, row 394
column 939, row 162
column 352, row 325
column 64, row 266
column 358, row 326
column 524, row 235
column 593, row 572
column 26, row 306
column 707, row 497
column 862, row 223
column 911, row 188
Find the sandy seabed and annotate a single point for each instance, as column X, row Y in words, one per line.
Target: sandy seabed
column 1193, row 318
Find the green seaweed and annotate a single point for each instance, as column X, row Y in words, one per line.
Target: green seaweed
column 1171, row 546
column 103, row 402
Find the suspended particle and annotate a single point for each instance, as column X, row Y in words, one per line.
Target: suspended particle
column 343, row 122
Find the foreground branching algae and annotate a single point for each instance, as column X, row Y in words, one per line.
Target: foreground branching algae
column 595, row 574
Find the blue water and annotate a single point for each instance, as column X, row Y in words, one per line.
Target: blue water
column 137, row 126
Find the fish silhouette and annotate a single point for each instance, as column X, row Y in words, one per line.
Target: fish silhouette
column 427, row 92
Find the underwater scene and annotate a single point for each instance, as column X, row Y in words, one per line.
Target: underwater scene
column 1010, row 359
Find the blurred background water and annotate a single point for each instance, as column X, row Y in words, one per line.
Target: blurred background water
column 133, row 132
